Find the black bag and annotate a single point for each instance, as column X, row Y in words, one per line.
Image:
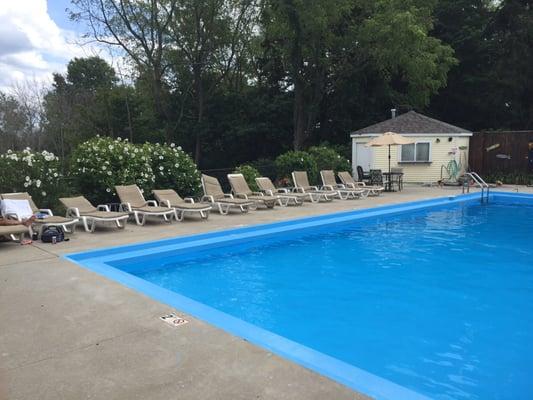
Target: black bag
column 52, row 231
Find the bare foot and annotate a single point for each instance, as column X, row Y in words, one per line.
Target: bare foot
column 25, row 241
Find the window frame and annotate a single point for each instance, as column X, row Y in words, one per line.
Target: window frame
column 415, row 161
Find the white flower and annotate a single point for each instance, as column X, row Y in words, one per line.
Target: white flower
column 109, row 173
column 26, row 184
column 27, row 179
column 172, row 145
column 43, row 193
column 56, row 174
column 108, row 190
column 161, row 157
column 179, row 148
column 161, row 168
column 104, row 167
column 38, row 183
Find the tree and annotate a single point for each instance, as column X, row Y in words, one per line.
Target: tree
column 209, row 38
column 90, row 73
column 139, row 28
column 302, row 34
column 327, row 47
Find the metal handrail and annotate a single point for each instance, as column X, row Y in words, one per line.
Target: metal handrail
column 480, row 182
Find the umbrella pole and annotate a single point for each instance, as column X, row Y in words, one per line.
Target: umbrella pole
column 390, row 177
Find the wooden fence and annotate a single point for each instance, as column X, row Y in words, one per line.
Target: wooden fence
column 501, row 152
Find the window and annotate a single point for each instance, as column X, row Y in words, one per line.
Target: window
column 416, row 152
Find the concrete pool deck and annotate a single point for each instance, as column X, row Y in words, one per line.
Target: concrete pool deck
column 67, row 333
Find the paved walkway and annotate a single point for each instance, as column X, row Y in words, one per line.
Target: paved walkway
column 67, row 333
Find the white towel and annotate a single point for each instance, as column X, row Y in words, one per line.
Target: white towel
column 20, row 208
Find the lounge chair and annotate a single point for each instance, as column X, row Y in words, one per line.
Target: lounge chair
column 15, row 232
column 301, row 184
column 241, row 190
column 169, row 198
column 330, row 183
column 285, row 195
column 224, row 202
column 80, row 207
column 68, row 224
column 348, row 181
column 132, row 201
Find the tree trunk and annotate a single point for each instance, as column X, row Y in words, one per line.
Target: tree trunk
column 161, row 111
column 299, row 119
column 199, row 88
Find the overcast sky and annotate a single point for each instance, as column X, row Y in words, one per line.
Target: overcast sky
column 36, row 39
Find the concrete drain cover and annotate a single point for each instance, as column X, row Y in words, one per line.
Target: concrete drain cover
column 174, row 320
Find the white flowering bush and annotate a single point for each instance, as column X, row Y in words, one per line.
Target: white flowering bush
column 173, row 169
column 37, row 173
column 101, row 163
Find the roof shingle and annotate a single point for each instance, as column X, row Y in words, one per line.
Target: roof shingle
column 411, row 122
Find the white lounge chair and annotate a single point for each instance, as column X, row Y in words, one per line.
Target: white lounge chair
column 329, row 183
column 285, row 195
column 81, row 208
column 133, row 202
column 170, row 198
column 241, row 190
column 224, row 202
column 301, row 184
column 68, row 224
column 348, row 181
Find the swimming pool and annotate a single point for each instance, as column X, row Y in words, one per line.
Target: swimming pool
column 431, row 298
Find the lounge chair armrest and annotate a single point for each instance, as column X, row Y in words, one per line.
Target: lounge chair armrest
column 152, row 203
column 125, row 206
column 241, row 196
column 258, row 193
column 268, row 192
column 188, row 200
column 228, row 195
column 283, row 190
column 164, row 203
column 208, row 198
column 298, row 189
column 328, row 187
column 12, row 216
column 72, row 212
column 46, row 211
column 313, row 187
column 103, row 207
column 341, row 186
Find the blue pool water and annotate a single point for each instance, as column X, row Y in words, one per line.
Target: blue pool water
column 437, row 300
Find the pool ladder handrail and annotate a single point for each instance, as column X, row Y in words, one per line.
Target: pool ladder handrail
column 479, row 182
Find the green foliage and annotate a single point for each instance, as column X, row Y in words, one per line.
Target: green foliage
column 99, row 164
column 90, row 73
column 510, row 178
column 296, row 161
column 173, row 169
column 249, row 173
column 327, row 158
column 34, row 172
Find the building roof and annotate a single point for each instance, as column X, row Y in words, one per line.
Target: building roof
column 411, row 122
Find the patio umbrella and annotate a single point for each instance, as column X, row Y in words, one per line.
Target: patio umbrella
column 389, row 139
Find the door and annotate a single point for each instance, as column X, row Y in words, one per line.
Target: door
column 363, row 156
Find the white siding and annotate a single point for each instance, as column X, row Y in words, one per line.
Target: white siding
column 440, row 154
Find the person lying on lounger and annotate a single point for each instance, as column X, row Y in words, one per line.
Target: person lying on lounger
column 10, row 222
